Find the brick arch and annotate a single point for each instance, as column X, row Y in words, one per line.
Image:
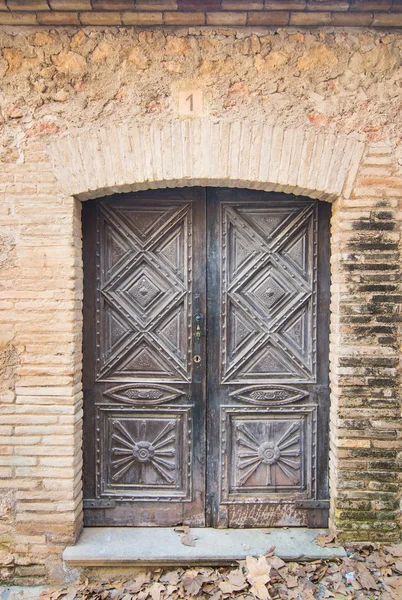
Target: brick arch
column 203, row 152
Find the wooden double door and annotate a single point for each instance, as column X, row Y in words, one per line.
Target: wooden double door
column 206, row 359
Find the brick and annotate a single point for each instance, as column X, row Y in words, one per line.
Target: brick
column 156, row 5
column 371, row 4
column 345, row 443
column 58, row 18
column 28, row 5
column 193, row 18
column 142, row 18
column 226, row 18
column 312, row 19
column 240, row 5
column 326, row 5
column 352, row 19
column 269, row 18
column 396, row 6
column 196, row 5
column 70, row 5
column 387, row 20
column 7, row 18
column 285, row 5
column 97, row 18
column 113, row 4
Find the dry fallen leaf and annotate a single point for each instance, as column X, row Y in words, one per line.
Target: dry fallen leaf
column 258, row 571
column 141, row 579
column 365, row 578
column 155, row 590
column 276, row 562
column 291, row 581
column 192, row 582
column 182, row 529
column 398, row 566
column 237, row 580
column 188, row 540
column 394, row 550
column 269, row 552
column 325, row 540
column 394, row 582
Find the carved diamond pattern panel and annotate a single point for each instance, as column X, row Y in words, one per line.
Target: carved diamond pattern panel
column 143, row 291
column 269, row 359
column 268, row 222
column 242, row 251
column 297, row 249
column 172, row 330
column 144, row 360
column 297, row 333
column 118, row 245
column 269, row 292
column 145, row 258
column 116, row 331
column 149, row 453
column 171, row 250
column 269, row 452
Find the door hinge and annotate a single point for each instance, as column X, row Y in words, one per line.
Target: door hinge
column 99, row 503
column 311, row 504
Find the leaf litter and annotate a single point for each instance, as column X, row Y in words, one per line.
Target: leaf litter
column 372, row 572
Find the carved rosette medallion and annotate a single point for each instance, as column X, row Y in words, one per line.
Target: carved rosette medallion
column 147, row 459
column 269, row 453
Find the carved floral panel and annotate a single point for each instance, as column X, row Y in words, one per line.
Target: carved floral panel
column 148, row 453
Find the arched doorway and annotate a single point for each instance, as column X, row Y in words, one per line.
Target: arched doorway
column 206, row 318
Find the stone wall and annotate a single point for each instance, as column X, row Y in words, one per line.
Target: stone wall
column 89, row 111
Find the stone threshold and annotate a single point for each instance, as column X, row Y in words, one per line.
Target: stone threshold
column 159, row 546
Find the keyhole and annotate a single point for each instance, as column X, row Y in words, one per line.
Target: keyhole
column 197, row 358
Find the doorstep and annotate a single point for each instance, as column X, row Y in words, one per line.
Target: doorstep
column 129, row 546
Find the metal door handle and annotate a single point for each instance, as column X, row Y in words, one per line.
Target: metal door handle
column 199, row 325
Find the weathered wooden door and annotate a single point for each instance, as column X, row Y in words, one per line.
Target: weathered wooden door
column 144, row 392
column 268, row 307
column 206, row 359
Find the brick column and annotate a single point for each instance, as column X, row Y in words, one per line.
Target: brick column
column 41, row 403
column 366, row 437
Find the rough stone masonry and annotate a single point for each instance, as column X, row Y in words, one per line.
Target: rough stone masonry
column 323, row 91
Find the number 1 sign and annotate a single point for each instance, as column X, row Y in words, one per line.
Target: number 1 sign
column 191, row 103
